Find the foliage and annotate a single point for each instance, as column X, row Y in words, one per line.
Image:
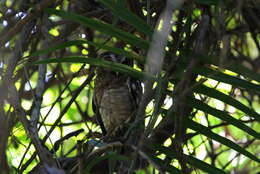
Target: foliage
column 201, row 107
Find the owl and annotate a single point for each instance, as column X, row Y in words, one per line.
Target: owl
column 116, row 97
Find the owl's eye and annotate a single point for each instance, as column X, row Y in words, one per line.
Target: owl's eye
column 114, row 58
column 109, row 57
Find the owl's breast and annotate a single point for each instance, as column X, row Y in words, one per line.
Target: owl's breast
column 115, row 107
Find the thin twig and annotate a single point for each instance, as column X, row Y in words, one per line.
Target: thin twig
column 21, row 23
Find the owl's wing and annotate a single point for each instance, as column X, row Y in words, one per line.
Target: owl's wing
column 99, row 119
column 135, row 90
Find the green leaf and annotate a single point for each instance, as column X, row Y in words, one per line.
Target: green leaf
column 168, row 167
column 221, row 115
column 230, row 65
column 98, row 159
column 191, row 160
column 128, row 16
column 221, row 77
column 208, row 2
column 244, row 71
column 81, row 42
column 102, row 27
column 58, row 47
column 118, row 51
column 208, row 133
column 211, row 92
column 117, row 67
